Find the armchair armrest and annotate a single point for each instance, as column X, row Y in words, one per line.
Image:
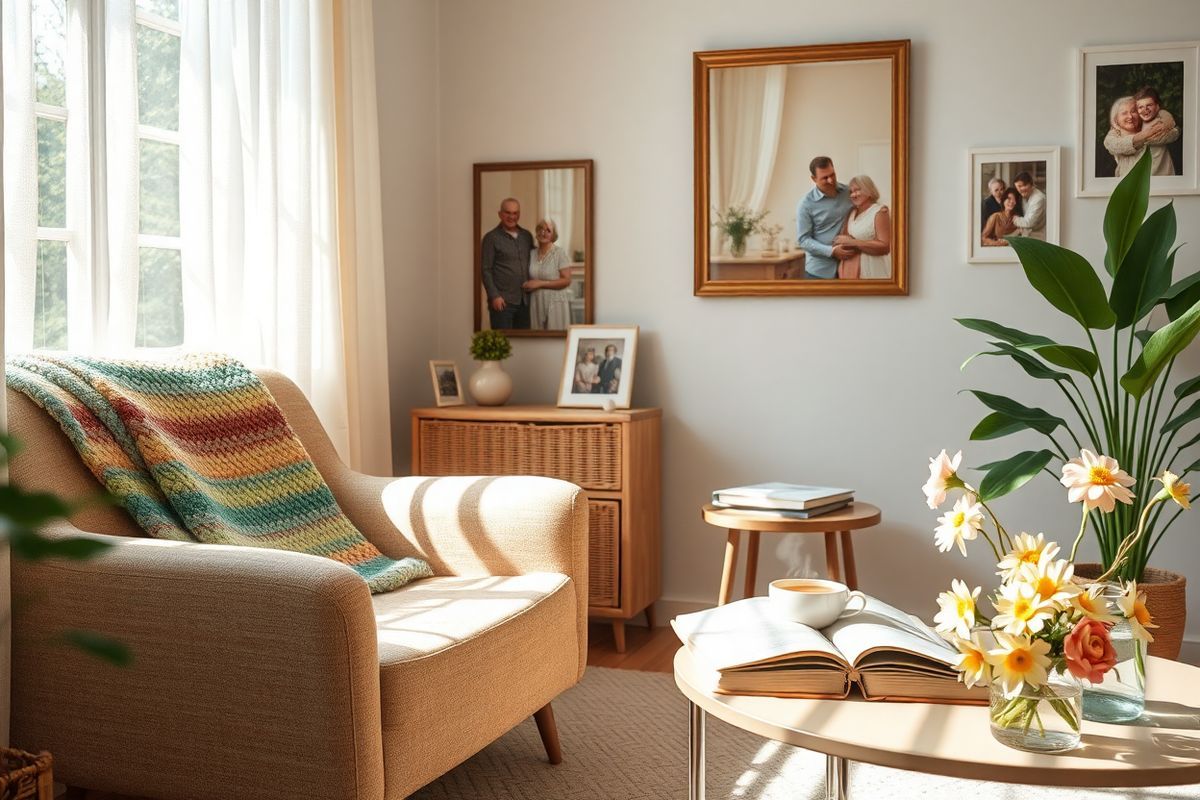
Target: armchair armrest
column 255, row 672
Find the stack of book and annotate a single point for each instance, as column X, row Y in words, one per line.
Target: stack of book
column 787, row 500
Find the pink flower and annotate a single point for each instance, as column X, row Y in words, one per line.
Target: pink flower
column 1089, row 650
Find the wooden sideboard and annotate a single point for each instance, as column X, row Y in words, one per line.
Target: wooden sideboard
column 613, row 455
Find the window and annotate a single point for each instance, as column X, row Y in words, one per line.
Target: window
column 72, row 101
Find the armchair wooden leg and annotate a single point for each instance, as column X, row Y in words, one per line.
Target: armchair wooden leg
column 544, row 717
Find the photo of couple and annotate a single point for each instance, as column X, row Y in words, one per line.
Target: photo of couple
column 843, row 229
column 594, row 375
column 1144, row 107
column 1014, row 203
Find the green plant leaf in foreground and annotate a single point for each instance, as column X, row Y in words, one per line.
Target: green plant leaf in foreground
column 1125, row 211
column 1066, row 280
column 1012, row 473
column 1166, row 343
column 33, row 546
column 995, row 425
column 101, row 647
column 1182, row 295
column 1192, row 412
column 1036, row 418
column 1061, row 355
column 1146, row 271
column 1188, row 387
column 1033, row 367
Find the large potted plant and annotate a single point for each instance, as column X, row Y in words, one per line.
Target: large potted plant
column 1126, row 418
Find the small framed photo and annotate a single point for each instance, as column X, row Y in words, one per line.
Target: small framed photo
column 1015, row 191
column 598, row 366
column 1133, row 98
column 447, row 387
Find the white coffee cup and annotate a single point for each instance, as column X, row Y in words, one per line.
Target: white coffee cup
column 813, row 601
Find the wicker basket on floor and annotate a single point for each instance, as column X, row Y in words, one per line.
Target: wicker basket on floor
column 24, row 776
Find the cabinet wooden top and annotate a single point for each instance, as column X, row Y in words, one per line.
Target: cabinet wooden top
column 534, row 414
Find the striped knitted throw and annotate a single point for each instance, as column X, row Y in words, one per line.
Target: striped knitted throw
column 197, row 450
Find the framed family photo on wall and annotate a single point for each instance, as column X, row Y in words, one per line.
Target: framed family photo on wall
column 1015, row 191
column 447, row 386
column 1134, row 98
column 598, row 366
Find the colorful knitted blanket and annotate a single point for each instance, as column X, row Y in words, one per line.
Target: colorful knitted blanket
column 197, row 450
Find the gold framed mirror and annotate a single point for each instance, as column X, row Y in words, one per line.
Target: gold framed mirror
column 801, row 170
column 534, row 262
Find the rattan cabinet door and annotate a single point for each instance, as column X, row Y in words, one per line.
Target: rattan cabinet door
column 604, row 553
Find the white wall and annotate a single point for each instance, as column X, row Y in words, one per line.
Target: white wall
column 845, row 391
column 406, row 74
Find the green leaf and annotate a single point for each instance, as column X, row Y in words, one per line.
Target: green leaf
column 1012, row 473
column 1182, row 418
column 1066, row 280
column 1190, row 442
column 995, row 425
column 33, row 546
column 31, row 508
column 1167, row 342
column 1036, row 418
column 1193, row 467
column 10, row 447
column 1182, row 296
column 1145, row 273
column 1065, row 356
column 1125, row 212
column 1188, row 387
column 1032, row 366
column 101, row 647
column 1143, row 336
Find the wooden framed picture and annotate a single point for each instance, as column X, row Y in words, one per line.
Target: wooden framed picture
column 790, row 200
column 1133, row 98
column 598, row 366
column 447, row 387
column 1015, row 191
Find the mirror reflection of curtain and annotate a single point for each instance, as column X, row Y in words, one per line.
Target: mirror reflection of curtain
column 746, row 107
column 557, row 202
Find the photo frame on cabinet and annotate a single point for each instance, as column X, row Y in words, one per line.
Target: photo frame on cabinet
column 1014, row 191
column 765, row 158
column 598, row 366
column 513, row 199
column 1133, row 97
column 447, row 386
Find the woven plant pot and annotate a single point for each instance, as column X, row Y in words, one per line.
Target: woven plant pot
column 1165, row 600
column 24, row 776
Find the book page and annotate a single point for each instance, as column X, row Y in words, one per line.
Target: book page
column 748, row 632
column 882, row 627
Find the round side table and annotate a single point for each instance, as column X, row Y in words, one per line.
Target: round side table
column 752, row 522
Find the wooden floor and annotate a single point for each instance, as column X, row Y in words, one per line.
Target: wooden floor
column 646, row 650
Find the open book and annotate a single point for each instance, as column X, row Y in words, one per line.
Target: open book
column 884, row 652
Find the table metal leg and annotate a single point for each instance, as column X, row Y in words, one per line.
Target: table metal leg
column 837, row 778
column 695, row 752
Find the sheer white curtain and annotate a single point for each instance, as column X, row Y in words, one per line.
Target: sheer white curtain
column 558, row 202
column 258, row 212
column 746, row 110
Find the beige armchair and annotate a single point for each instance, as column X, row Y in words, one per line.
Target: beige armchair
column 267, row 674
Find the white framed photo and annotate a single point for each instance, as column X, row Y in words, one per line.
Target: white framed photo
column 598, row 366
column 1014, row 191
column 447, row 386
column 1133, row 98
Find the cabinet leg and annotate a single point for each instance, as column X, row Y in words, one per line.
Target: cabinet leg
column 832, row 568
column 848, row 560
column 731, row 551
column 650, row 616
column 751, row 562
column 619, row 634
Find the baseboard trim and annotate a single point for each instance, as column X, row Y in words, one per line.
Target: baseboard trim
column 666, row 610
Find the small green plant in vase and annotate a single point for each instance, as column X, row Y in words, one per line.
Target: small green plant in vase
column 490, row 385
column 738, row 223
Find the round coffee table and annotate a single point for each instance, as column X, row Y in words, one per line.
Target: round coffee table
column 834, row 524
column 1163, row 750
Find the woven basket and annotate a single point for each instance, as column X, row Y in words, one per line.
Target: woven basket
column 24, row 776
column 1165, row 600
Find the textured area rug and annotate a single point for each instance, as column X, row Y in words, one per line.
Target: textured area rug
column 624, row 737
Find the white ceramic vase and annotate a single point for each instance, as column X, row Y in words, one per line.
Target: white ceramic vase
column 490, row 385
